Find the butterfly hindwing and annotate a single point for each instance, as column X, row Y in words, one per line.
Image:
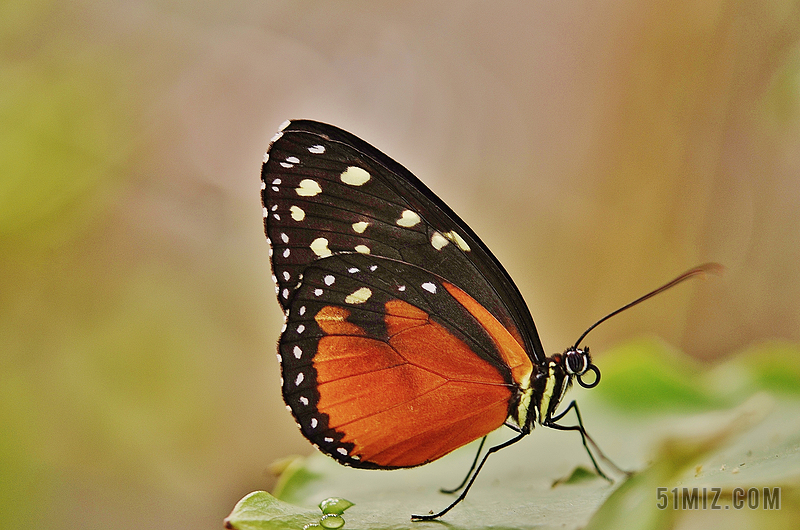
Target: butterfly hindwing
column 325, row 192
column 361, row 324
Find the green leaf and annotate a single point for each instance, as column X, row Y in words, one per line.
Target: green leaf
column 772, row 366
column 261, row 511
column 293, row 478
column 578, row 475
column 646, row 375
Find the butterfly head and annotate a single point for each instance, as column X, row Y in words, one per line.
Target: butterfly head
column 562, row 369
column 577, row 362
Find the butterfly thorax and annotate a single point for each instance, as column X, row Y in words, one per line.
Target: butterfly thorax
column 542, row 392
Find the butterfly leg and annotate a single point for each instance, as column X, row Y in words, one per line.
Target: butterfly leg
column 474, row 462
column 469, row 473
column 584, row 438
column 461, row 497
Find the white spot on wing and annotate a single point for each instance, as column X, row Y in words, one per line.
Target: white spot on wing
column 360, row 226
column 287, row 165
column 297, row 352
column 329, row 279
column 286, row 276
column 286, row 252
column 363, row 249
column 304, row 400
column 284, row 237
column 266, row 157
column 342, row 451
column 277, row 135
column 317, row 292
column 320, row 247
column 355, row 176
column 458, row 240
column 265, row 212
column 297, row 213
column 263, row 185
column 308, row 188
column 313, row 423
column 302, row 310
column 293, row 160
column 353, row 270
column 359, row 296
column 299, row 379
column 408, row 219
column 300, row 329
column 316, row 149
column 430, row 287
column 439, row 241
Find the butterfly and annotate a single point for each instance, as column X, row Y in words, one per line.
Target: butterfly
column 405, row 338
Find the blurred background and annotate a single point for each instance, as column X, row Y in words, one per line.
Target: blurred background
column 598, row 148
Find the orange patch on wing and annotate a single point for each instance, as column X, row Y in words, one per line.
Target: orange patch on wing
column 431, row 346
column 412, row 399
column 428, row 427
column 340, row 357
column 398, row 309
column 333, row 321
column 510, row 347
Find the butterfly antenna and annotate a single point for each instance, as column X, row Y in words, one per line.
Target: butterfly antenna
column 712, row 268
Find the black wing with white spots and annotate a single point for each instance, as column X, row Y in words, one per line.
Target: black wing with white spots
column 326, row 192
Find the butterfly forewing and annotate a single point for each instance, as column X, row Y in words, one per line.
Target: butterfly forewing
column 325, row 192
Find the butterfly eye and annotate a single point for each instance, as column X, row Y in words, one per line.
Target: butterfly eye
column 579, row 363
column 576, row 362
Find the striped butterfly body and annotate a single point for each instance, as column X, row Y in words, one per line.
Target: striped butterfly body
column 405, row 338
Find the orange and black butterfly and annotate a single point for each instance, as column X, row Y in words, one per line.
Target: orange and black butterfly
column 405, row 338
